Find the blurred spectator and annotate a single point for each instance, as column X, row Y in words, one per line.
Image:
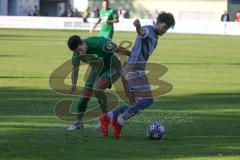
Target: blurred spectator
column 85, row 15
column 225, row 17
column 153, row 15
column 121, row 13
column 92, row 14
column 76, row 13
column 69, row 10
column 237, row 16
column 36, row 11
column 96, row 12
column 127, row 15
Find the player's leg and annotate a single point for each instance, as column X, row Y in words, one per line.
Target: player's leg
column 82, row 105
column 81, row 108
column 136, row 87
column 113, row 115
column 107, row 78
column 140, row 104
column 141, row 90
column 117, row 111
column 126, row 84
column 98, row 89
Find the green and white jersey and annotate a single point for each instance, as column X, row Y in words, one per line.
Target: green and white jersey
column 107, row 29
column 99, row 49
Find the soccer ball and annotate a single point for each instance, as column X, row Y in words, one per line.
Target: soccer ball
column 155, row 131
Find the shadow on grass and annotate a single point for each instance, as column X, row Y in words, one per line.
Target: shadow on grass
column 15, row 77
column 200, row 101
column 13, row 36
column 28, row 129
column 232, row 64
column 8, row 55
column 16, row 101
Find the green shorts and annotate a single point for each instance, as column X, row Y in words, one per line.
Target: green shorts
column 111, row 72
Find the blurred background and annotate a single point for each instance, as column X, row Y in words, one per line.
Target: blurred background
column 210, row 10
column 201, row 114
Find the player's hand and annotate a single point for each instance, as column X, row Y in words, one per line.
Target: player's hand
column 106, row 22
column 73, row 89
column 91, row 30
column 137, row 23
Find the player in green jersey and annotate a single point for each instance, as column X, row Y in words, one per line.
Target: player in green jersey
column 107, row 18
column 98, row 52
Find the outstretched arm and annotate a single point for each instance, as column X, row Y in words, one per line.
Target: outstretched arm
column 139, row 28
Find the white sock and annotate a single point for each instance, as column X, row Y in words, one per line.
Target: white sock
column 120, row 120
column 110, row 115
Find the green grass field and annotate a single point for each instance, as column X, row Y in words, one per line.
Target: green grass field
column 203, row 108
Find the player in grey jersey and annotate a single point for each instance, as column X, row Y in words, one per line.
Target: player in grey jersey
column 134, row 79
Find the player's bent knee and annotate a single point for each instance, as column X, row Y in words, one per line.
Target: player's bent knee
column 97, row 92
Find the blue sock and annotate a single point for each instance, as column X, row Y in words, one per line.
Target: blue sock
column 119, row 110
column 139, row 105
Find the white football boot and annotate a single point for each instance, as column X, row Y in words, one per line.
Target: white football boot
column 75, row 126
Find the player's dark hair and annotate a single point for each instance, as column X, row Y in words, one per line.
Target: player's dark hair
column 167, row 18
column 106, row 1
column 73, row 42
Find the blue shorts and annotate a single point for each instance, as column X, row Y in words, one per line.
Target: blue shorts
column 135, row 80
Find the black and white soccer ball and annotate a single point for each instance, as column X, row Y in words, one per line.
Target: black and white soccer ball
column 155, row 131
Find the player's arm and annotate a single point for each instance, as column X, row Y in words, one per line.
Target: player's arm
column 74, row 78
column 114, row 19
column 142, row 32
column 122, row 51
column 111, row 47
column 95, row 25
